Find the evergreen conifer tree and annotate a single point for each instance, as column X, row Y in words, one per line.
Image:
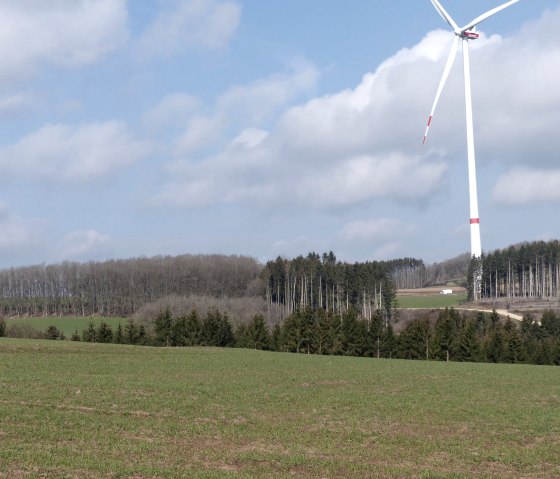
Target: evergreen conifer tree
column 104, row 333
column 89, row 334
column 118, row 337
column 257, row 333
column 130, row 332
column 192, row 329
column 163, row 324
column 389, row 343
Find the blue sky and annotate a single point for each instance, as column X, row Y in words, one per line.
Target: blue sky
column 269, row 128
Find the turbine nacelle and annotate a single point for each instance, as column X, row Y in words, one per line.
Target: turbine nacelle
column 469, row 34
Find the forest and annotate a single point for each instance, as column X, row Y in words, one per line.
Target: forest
column 323, row 283
column 125, row 287
column 276, row 289
column 121, row 287
column 528, row 270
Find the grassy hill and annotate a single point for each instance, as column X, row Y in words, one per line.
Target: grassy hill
column 106, row 411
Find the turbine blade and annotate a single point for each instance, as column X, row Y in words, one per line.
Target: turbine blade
column 439, row 7
column 448, row 65
column 487, row 15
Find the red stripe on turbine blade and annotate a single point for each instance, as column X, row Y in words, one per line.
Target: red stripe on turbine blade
column 429, row 121
column 475, row 221
column 424, row 141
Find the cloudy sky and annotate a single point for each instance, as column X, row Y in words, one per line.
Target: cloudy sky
column 266, row 128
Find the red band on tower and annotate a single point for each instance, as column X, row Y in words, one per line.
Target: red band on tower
column 475, row 221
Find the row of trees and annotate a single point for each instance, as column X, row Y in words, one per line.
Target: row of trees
column 450, row 337
column 322, row 283
column 529, row 270
column 483, row 338
column 120, row 287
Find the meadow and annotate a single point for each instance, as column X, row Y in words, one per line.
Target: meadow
column 85, row 410
column 428, row 301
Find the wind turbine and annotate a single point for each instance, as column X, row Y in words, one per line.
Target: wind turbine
column 466, row 33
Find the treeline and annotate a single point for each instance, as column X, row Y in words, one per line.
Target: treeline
column 484, row 338
column 120, row 287
column 529, row 270
column 322, row 283
column 408, row 273
column 450, row 337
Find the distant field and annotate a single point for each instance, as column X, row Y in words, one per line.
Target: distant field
column 75, row 410
column 431, row 300
column 65, row 324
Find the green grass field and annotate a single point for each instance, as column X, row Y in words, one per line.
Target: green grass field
column 66, row 324
column 431, row 301
column 73, row 410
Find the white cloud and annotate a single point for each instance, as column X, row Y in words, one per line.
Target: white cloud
column 207, row 24
column 83, row 244
column 296, row 246
column 364, row 144
column 250, row 138
column 60, row 32
column 355, row 180
column 174, row 109
column 525, row 185
column 257, row 101
column 14, row 103
column 387, row 251
column 373, row 230
column 248, row 105
column 16, row 232
column 201, row 131
column 69, row 153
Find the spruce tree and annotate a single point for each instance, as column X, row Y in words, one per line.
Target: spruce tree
column 389, row 343
column 52, row 332
column 445, row 334
column 241, row 339
column 375, row 333
column 104, row 333
column 178, row 332
column 495, row 346
column 130, row 332
column 163, row 324
column 467, row 346
column 89, row 334
column 192, row 329
column 118, row 337
column 415, row 339
column 257, row 333
column 550, row 324
column 276, row 340
column 322, row 338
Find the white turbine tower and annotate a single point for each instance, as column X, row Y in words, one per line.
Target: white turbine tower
column 466, row 33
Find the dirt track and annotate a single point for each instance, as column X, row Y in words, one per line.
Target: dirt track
column 501, row 312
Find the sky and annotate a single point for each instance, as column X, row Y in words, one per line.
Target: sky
column 266, row 128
